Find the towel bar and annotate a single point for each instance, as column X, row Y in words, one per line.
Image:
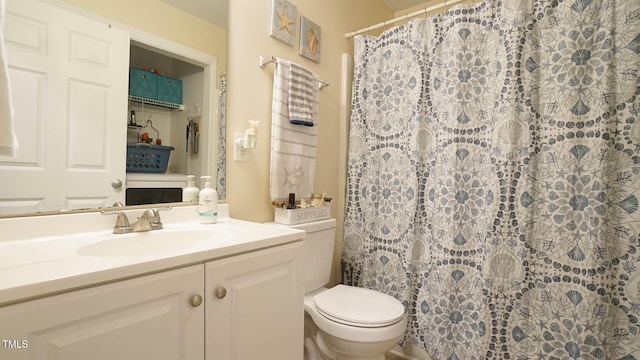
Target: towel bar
column 264, row 60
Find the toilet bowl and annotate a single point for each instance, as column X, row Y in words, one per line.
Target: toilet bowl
column 353, row 323
column 344, row 322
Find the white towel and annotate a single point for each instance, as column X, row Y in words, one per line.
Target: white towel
column 293, row 147
column 8, row 140
column 303, row 96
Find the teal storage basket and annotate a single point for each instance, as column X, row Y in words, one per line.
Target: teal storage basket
column 147, row 158
column 169, row 89
column 143, row 84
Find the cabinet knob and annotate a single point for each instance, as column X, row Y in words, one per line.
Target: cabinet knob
column 196, row 300
column 116, row 183
column 221, row 292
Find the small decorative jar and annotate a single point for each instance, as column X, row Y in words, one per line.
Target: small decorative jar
column 317, row 200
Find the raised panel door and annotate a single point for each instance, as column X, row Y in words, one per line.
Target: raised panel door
column 254, row 305
column 68, row 77
column 150, row 317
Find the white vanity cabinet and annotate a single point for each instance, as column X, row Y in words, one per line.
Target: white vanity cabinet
column 238, row 307
column 254, row 305
column 148, row 317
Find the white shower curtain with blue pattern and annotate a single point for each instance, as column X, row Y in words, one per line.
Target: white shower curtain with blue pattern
column 494, row 177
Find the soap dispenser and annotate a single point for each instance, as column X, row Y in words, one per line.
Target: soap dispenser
column 208, row 202
column 190, row 193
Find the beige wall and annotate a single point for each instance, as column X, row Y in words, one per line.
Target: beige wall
column 250, row 89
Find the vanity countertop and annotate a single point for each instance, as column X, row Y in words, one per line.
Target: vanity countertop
column 33, row 264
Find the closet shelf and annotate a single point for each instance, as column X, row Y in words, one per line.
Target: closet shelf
column 156, row 102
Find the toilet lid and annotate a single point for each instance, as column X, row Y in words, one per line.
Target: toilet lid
column 359, row 307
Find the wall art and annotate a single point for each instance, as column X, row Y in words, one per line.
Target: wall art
column 283, row 21
column 309, row 39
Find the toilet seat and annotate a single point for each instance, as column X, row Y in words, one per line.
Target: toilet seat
column 359, row 307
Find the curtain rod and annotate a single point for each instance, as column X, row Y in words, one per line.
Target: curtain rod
column 404, row 17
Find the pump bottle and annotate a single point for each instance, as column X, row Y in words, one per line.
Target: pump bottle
column 208, row 202
column 190, row 193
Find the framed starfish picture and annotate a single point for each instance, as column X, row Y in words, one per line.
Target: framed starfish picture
column 309, row 39
column 283, row 21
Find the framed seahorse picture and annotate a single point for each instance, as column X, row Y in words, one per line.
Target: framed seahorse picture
column 309, row 39
column 283, row 21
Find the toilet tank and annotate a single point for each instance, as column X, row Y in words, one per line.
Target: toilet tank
column 318, row 245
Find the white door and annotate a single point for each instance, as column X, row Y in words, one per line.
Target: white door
column 69, row 83
column 254, row 305
column 151, row 317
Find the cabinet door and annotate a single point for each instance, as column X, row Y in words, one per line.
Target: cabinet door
column 68, row 76
column 150, row 317
column 254, row 305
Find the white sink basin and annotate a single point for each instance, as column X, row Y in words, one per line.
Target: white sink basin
column 155, row 242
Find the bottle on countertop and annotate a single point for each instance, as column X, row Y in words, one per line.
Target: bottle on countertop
column 292, row 201
column 208, row 202
column 191, row 192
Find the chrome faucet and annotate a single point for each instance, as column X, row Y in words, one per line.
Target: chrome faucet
column 144, row 221
column 148, row 220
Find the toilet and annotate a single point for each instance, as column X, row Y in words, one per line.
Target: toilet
column 343, row 322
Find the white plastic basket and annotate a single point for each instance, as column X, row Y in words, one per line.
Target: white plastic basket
column 299, row 216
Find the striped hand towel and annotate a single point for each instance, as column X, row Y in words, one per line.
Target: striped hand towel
column 293, row 147
column 303, row 95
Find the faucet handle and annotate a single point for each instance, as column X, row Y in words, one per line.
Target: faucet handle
column 122, row 219
column 163, row 208
column 122, row 225
column 156, row 222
